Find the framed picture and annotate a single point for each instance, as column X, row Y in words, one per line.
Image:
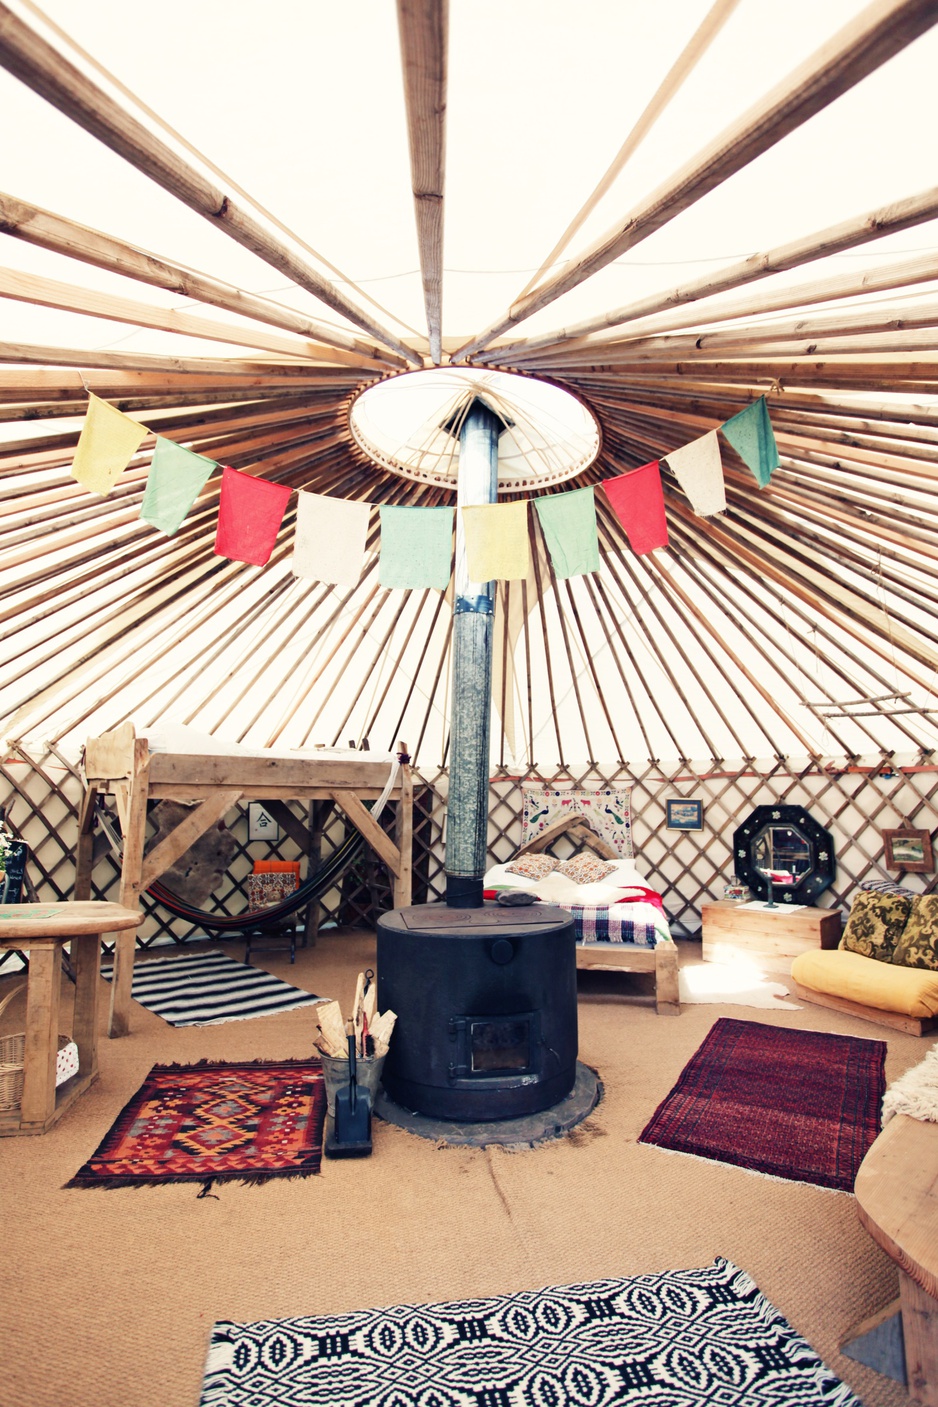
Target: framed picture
column 261, row 824
column 908, row 849
column 685, row 815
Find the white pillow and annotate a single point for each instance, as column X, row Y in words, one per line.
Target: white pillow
column 625, row 874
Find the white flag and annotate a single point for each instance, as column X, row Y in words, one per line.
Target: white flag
column 330, row 539
column 698, row 469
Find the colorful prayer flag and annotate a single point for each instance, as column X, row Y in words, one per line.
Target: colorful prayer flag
column 249, row 516
column 497, row 546
column 698, row 469
column 751, row 435
column 416, row 547
column 568, row 522
column 330, row 539
column 176, row 478
column 108, row 441
column 637, row 500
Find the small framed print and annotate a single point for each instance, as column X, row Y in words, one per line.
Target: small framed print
column 685, row 815
column 261, row 824
column 908, row 849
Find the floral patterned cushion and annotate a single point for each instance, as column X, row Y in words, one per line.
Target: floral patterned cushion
column 586, row 869
column 533, row 866
column 918, row 946
column 264, row 891
column 876, row 924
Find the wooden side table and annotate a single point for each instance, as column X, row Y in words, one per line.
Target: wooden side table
column 897, row 1200
column 772, row 937
column 44, row 929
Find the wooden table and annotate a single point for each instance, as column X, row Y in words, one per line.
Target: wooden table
column 771, row 937
column 43, row 930
column 122, row 764
column 897, row 1199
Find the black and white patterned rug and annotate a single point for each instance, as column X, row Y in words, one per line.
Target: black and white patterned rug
column 682, row 1339
column 205, row 989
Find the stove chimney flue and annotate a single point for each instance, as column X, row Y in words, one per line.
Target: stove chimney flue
column 478, row 429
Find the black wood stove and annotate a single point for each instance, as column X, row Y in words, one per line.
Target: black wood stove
column 486, row 1006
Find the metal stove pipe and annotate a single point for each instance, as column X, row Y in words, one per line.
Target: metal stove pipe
column 470, row 717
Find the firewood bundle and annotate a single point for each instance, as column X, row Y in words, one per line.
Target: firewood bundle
column 371, row 1029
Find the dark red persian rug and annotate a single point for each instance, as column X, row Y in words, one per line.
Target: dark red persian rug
column 803, row 1105
column 214, row 1122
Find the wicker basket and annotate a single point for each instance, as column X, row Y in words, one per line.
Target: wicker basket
column 12, row 1055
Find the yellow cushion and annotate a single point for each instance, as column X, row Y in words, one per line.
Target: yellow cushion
column 908, row 990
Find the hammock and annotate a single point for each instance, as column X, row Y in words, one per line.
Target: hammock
column 311, row 889
column 314, row 886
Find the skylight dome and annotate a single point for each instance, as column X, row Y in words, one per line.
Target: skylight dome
column 407, row 424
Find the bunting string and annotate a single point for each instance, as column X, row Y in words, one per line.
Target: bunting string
column 416, row 543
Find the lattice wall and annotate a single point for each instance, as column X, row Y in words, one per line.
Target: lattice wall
column 41, row 795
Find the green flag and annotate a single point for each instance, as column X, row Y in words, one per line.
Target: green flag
column 568, row 522
column 416, row 547
column 750, row 434
column 174, row 483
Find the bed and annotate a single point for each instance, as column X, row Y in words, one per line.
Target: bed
column 619, row 919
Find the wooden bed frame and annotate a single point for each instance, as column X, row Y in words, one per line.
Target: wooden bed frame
column 121, row 764
column 616, row 957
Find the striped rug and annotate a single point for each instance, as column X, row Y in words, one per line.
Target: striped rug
column 209, row 988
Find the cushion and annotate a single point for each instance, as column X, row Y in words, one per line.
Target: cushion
column 533, row 866
column 887, row 886
column 875, row 924
column 586, row 869
column 882, row 985
column 918, row 945
column 266, row 890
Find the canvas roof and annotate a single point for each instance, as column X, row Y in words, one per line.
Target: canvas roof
column 800, row 621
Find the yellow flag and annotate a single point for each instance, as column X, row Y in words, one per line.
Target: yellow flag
column 107, row 443
column 497, row 546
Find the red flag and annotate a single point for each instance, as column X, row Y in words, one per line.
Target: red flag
column 638, row 502
column 249, row 516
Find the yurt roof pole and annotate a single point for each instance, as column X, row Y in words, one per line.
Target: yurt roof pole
column 470, row 717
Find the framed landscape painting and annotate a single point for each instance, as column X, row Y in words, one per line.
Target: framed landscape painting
column 685, row 815
column 908, row 849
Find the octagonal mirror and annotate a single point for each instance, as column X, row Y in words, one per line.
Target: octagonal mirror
column 784, row 855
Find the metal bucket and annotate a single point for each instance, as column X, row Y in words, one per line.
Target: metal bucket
column 335, row 1073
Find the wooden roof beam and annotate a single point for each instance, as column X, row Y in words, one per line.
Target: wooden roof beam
column 685, row 63
column 880, row 31
column 26, row 55
column 423, row 27
column 848, row 234
column 33, row 225
column 19, row 352
column 67, row 297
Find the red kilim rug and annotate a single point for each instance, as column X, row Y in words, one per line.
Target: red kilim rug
column 803, row 1105
column 214, row 1122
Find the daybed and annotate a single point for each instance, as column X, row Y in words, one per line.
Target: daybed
column 620, row 922
column 886, row 967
